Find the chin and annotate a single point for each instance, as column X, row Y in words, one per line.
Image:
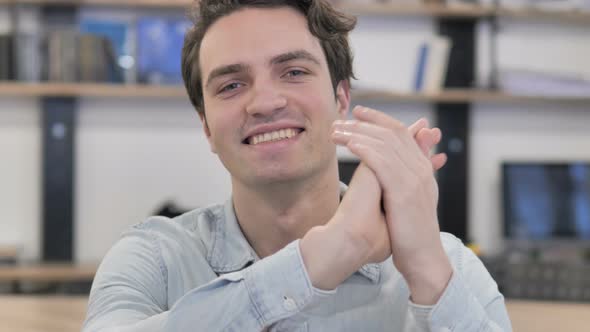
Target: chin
column 274, row 177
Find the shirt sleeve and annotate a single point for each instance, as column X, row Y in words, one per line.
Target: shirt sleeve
column 269, row 291
column 471, row 301
column 129, row 293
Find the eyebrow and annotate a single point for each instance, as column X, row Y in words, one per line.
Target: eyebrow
column 226, row 70
column 281, row 58
column 294, row 55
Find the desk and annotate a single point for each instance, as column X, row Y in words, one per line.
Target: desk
column 533, row 316
column 66, row 314
column 47, row 272
column 8, row 254
column 42, row 314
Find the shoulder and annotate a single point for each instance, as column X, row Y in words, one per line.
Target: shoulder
column 164, row 249
column 195, row 227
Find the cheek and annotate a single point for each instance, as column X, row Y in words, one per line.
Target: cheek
column 224, row 128
column 218, row 133
column 325, row 110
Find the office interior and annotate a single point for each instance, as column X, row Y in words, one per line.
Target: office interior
column 84, row 155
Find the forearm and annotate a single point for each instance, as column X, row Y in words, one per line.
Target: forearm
column 330, row 256
column 150, row 324
column 430, row 277
column 461, row 308
column 212, row 307
column 268, row 291
column 470, row 302
column 354, row 236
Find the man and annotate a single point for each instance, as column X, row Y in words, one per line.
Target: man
column 293, row 250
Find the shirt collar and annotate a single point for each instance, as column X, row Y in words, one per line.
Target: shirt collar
column 230, row 251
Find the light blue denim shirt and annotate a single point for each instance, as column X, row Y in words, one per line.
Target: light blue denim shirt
column 197, row 272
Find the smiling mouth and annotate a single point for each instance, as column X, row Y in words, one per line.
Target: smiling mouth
column 273, row 136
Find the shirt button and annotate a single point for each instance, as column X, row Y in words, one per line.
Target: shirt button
column 289, row 303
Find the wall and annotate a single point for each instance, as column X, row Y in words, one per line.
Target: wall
column 20, row 170
column 134, row 154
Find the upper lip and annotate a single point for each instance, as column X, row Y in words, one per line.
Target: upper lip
column 266, row 128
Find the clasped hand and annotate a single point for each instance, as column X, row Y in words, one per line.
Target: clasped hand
column 390, row 206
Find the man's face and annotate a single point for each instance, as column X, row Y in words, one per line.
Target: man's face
column 269, row 100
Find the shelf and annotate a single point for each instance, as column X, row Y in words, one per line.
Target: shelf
column 366, row 9
column 568, row 17
column 428, row 10
column 464, row 96
column 179, row 4
column 159, row 92
column 464, row 11
column 90, row 90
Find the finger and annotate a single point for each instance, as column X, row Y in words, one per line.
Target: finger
column 438, row 161
column 417, row 126
column 425, row 139
column 437, row 135
column 341, row 137
column 380, row 139
column 382, row 167
column 378, row 118
column 370, row 158
column 347, row 138
column 364, row 128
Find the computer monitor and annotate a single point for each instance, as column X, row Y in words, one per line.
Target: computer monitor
column 546, row 202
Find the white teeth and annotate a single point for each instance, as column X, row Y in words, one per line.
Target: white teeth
column 273, row 136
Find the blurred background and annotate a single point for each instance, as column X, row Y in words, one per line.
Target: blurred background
column 97, row 134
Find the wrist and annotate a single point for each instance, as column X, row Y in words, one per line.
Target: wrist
column 430, row 280
column 329, row 257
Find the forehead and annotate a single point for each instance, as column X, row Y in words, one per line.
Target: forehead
column 254, row 35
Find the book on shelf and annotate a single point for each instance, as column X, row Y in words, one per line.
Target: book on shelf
column 462, row 3
column 6, row 57
column 61, row 56
column 116, row 57
column 432, row 64
column 27, row 43
column 535, row 83
column 561, row 5
column 547, row 5
column 159, row 47
column 27, row 57
column 93, row 65
column 96, row 49
column 69, row 56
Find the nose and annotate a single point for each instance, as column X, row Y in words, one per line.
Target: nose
column 265, row 101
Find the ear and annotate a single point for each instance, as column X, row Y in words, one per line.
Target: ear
column 343, row 99
column 207, row 131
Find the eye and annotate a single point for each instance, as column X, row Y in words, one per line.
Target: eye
column 230, row 87
column 295, row 73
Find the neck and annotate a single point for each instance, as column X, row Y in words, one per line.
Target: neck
column 272, row 216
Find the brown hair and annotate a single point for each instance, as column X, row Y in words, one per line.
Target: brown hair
column 327, row 24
